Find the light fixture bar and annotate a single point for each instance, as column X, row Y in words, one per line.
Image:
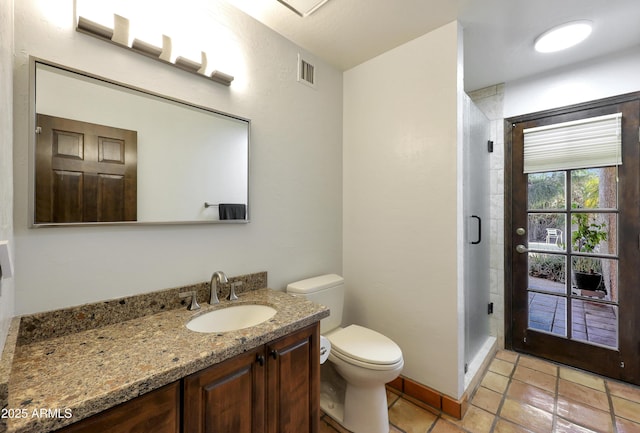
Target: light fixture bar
column 162, row 54
column 93, row 28
column 221, row 77
column 146, row 48
column 187, row 64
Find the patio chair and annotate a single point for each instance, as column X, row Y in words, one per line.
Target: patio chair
column 554, row 236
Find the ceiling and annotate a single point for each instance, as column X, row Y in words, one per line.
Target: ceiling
column 498, row 34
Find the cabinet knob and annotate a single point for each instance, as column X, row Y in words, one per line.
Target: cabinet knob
column 274, row 354
column 260, row 360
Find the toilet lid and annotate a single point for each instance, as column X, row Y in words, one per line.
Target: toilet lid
column 365, row 345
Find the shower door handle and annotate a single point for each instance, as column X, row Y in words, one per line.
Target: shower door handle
column 479, row 230
column 522, row 249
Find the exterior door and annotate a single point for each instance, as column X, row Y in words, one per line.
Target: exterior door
column 84, row 172
column 567, row 226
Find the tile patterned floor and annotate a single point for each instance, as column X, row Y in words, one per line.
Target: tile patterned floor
column 522, row 394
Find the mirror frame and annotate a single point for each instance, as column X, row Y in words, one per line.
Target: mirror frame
column 33, row 63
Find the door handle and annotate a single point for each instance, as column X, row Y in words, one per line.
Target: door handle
column 522, row 249
column 479, row 229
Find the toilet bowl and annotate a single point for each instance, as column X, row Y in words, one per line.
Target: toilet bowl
column 364, row 359
column 367, row 360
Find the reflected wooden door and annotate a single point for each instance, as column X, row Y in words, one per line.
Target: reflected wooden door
column 549, row 312
column 84, row 172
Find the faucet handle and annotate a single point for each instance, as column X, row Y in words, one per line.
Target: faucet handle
column 232, row 293
column 194, row 301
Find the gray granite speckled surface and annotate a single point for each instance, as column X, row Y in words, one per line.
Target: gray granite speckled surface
column 6, row 361
column 49, row 324
column 92, row 370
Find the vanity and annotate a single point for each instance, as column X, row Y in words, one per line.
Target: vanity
column 151, row 373
column 267, row 389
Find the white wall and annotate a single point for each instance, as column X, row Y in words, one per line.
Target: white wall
column 400, row 203
column 296, row 167
column 611, row 75
column 6, row 152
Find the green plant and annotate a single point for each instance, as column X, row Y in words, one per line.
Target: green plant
column 586, row 239
column 548, row 266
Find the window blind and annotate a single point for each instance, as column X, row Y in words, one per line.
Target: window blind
column 584, row 143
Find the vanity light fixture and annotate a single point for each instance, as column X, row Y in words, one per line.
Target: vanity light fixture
column 146, row 48
column 221, row 77
column 119, row 35
column 121, row 30
column 563, row 36
column 96, row 29
column 188, row 64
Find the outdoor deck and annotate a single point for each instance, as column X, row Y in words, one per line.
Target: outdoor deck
column 591, row 322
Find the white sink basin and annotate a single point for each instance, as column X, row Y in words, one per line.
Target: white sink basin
column 231, row 318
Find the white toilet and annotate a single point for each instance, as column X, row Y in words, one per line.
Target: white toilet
column 365, row 359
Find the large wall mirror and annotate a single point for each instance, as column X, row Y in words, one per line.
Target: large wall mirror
column 105, row 153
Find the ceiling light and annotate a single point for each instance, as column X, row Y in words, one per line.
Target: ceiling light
column 563, row 36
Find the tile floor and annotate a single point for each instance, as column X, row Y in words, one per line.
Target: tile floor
column 520, row 394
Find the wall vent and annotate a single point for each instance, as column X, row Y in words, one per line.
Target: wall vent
column 306, row 72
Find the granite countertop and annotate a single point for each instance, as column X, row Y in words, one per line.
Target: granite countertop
column 86, row 372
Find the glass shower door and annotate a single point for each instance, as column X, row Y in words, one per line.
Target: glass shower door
column 476, row 212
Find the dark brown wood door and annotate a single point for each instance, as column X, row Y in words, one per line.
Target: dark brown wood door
column 227, row 397
column 84, row 172
column 550, row 218
column 293, row 383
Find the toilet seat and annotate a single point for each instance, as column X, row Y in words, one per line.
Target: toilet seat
column 365, row 347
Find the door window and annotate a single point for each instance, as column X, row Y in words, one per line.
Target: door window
column 573, row 266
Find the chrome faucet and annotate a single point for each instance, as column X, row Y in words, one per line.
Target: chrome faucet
column 217, row 277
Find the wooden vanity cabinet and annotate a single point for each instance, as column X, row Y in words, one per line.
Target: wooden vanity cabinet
column 274, row 388
column 293, row 382
column 157, row 411
column 271, row 389
column 227, row 397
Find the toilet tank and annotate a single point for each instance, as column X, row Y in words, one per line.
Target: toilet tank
column 327, row 290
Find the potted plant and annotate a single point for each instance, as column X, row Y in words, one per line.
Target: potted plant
column 587, row 270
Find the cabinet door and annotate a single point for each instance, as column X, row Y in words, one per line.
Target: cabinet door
column 158, row 412
column 227, row 397
column 293, row 382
